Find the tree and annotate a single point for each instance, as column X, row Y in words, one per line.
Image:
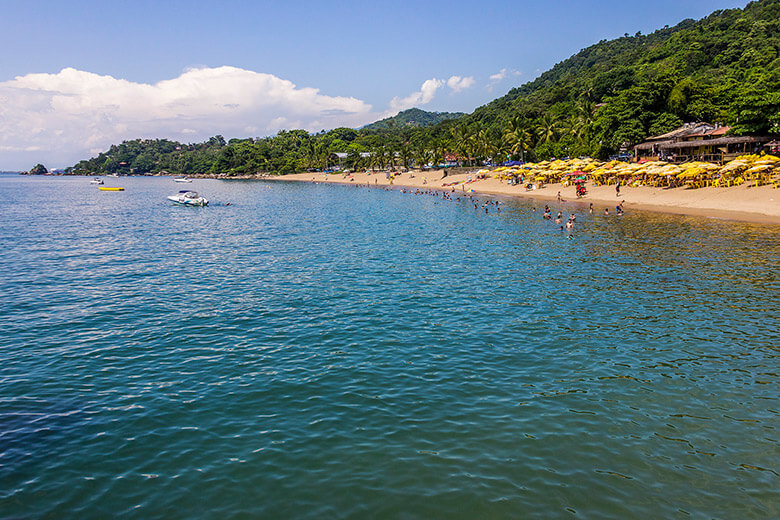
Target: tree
column 463, row 142
column 517, row 136
column 422, row 156
column 547, row 129
column 38, row 169
column 405, row 154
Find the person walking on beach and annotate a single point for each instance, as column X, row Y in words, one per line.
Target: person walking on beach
column 590, row 208
column 617, row 189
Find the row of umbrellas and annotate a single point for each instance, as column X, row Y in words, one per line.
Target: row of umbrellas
column 761, row 168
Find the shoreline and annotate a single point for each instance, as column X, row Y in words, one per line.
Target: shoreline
column 710, row 202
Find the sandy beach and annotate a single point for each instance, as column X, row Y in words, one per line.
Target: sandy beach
column 745, row 203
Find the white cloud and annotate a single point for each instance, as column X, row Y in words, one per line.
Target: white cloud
column 425, row 95
column 456, row 83
column 500, row 76
column 495, row 78
column 58, row 119
column 70, row 114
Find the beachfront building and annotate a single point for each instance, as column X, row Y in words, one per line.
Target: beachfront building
column 451, row 160
column 699, row 142
column 339, row 158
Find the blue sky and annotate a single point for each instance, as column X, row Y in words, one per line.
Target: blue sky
column 77, row 76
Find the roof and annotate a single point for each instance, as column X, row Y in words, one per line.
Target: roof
column 719, row 131
column 669, row 144
column 647, row 145
column 343, row 155
column 713, row 142
column 692, row 130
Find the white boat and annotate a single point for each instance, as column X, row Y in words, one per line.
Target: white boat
column 188, row 198
column 182, row 179
column 114, row 175
column 96, row 181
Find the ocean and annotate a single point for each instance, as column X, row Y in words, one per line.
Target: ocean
column 303, row 351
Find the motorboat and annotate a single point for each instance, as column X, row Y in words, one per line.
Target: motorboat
column 188, row 198
column 96, row 181
column 182, row 179
column 114, row 175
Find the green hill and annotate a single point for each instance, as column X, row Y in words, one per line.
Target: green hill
column 415, row 118
column 725, row 67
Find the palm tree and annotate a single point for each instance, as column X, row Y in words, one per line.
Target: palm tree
column 574, row 127
column 547, row 129
column 480, row 141
column 437, row 153
column 585, row 115
column 496, row 148
column 517, row 135
column 390, row 155
column 405, row 154
column 377, row 157
column 422, row 155
column 461, row 138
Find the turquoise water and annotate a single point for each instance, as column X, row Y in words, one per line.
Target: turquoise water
column 320, row 351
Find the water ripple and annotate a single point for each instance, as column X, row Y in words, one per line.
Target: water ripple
column 322, row 351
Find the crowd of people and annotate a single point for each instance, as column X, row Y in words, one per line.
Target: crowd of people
column 493, row 204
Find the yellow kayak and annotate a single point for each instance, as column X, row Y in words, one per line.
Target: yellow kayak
column 106, row 188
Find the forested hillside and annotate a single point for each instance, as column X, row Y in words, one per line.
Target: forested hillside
column 724, row 68
column 415, row 118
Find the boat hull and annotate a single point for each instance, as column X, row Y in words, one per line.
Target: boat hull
column 189, row 202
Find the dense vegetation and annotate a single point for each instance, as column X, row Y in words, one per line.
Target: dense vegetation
column 38, row 169
column 414, row 117
column 724, row 68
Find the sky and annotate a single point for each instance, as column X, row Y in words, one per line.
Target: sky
column 77, row 76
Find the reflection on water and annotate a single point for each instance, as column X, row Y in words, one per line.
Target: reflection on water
column 315, row 350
